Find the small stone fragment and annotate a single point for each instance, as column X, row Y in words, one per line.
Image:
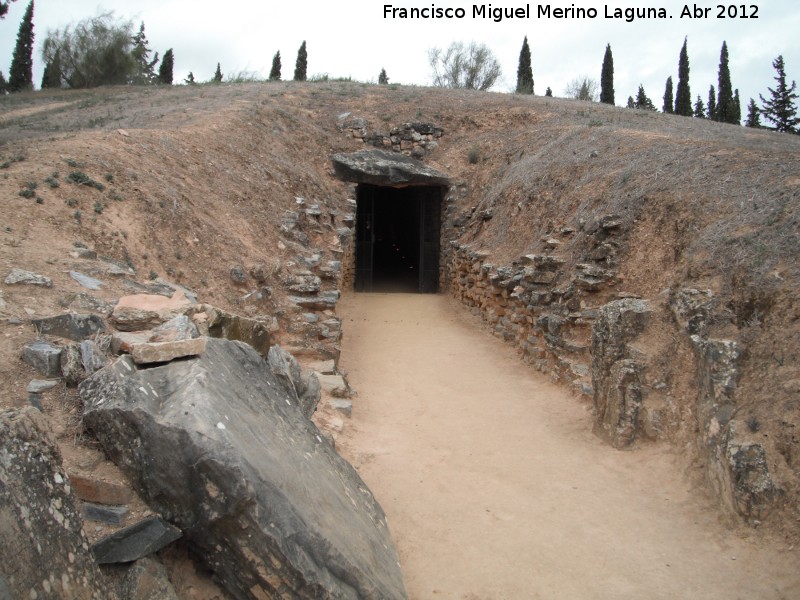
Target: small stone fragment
column 19, row 276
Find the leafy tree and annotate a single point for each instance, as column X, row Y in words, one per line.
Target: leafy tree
column 582, row 88
column 607, row 78
column 20, row 76
column 96, row 52
column 711, row 107
column 753, row 115
column 737, row 108
column 699, row 108
column 52, row 72
column 4, row 10
column 383, row 78
column 683, row 97
column 780, row 108
column 726, row 111
column 166, row 67
column 669, row 100
column 217, row 75
column 145, row 68
column 642, row 101
column 189, row 79
column 524, row 70
column 469, row 66
column 275, row 71
column 548, row 92
column 301, row 65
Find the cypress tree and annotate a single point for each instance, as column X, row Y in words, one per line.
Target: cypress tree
column 20, row 76
column 548, row 92
column 631, row 103
column 217, row 75
column 3, row 11
column 383, row 78
column 699, row 108
column 669, row 99
column 642, row 101
column 753, row 115
column 683, row 97
column 166, row 67
column 726, row 111
column 607, row 78
column 301, row 66
column 52, row 72
column 524, row 70
column 737, row 108
column 780, row 108
column 3, row 84
column 275, row 71
column 189, row 79
column 711, row 107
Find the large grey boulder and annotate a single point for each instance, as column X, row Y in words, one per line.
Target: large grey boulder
column 44, row 552
column 217, row 446
column 382, row 167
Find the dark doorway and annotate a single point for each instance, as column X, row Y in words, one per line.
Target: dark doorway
column 397, row 239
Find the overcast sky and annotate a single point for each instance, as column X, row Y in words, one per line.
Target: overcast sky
column 353, row 38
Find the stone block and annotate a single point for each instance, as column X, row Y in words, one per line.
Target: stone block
column 20, row 276
column 134, row 542
column 93, row 489
column 44, row 357
column 161, row 352
column 71, row 326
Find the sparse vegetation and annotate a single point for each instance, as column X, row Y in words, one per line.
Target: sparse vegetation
column 81, row 178
column 474, row 155
column 470, row 66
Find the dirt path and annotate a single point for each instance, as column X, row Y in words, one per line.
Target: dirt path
column 495, row 487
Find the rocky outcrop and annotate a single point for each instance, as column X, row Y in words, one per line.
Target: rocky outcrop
column 382, row 167
column 218, row 447
column 44, row 552
column 616, row 372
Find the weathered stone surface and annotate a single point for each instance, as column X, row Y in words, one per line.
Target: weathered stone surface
column 90, row 283
column 305, row 390
column 44, row 552
column 111, row 515
column 84, row 301
column 343, row 406
column 92, row 489
column 334, row 384
column 123, row 341
column 37, row 386
column 144, row 579
column 218, row 448
column 160, row 352
column 324, row 367
column 19, row 276
column 72, row 364
column 144, row 311
column 304, row 284
column 176, row 329
column 44, row 357
column 225, row 325
column 134, row 542
column 322, row 301
column 92, row 357
column 616, row 375
column 693, row 309
column 383, row 167
column 72, row 326
column 238, row 274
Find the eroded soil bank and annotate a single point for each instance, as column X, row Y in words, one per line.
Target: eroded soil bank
column 495, row 487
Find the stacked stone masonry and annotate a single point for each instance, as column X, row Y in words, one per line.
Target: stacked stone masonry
column 413, row 139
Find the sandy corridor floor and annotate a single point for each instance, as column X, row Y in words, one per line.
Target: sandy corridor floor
column 495, row 487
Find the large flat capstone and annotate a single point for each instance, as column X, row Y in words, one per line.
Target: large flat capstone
column 217, row 446
column 381, row 167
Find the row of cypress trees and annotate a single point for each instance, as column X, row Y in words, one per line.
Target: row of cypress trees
column 724, row 104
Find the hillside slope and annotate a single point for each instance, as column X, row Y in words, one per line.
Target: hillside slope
column 198, row 181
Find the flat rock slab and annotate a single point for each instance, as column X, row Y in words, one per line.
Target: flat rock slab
column 218, row 447
column 92, row 489
column 144, row 311
column 19, row 276
column 161, row 352
column 135, row 542
column 90, row 283
column 72, row 326
column 382, row 167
